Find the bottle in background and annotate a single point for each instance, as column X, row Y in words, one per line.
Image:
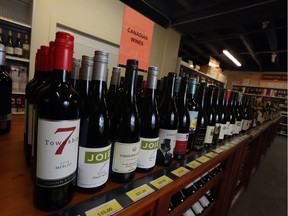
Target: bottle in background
column 217, row 116
column 198, row 142
column 9, row 44
column 228, row 115
column 94, row 144
column 127, row 143
column 75, row 73
column 26, row 47
column 193, row 108
column 221, row 122
column 58, row 120
column 168, row 123
column 139, row 87
column 184, row 122
column 18, row 51
column 150, row 121
column 1, row 40
column 238, row 113
column 6, row 94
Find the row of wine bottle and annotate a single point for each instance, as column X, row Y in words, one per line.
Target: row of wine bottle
column 82, row 135
column 191, row 189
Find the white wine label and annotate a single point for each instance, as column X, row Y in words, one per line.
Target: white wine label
column 108, row 208
column 222, row 131
column 125, row 157
column 57, row 151
column 139, row 192
column 18, row 51
column 93, row 166
column 161, row 181
column 246, row 125
column 9, row 50
column 180, row 171
column 231, row 129
column 181, row 142
column 167, row 141
column 209, row 134
column 148, row 152
column 26, row 47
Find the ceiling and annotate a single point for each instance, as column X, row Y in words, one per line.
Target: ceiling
column 252, row 30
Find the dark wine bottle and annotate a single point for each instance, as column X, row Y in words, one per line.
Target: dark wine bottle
column 26, row 47
column 177, row 198
column 211, row 115
column 232, row 114
column 247, row 119
column 150, row 122
column 94, row 144
column 1, row 40
column 221, row 123
column 189, row 189
column 6, row 94
column 113, row 94
column 184, row 122
column 18, row 51
column 209, row 196
column 193, row 108
column 254, row 112
column 198, row 142
column 126, row 148
column 139, row 87
column 57, row 134
column 168, row 123
column 177, row 86
column 9, row 44
column 75, row 73
column 238, row 113
column 228, row 115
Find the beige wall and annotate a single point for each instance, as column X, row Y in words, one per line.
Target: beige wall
column 102, row 19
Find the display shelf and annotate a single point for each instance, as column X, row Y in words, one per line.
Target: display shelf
column 282, row 134
column 283, row 124
column 19, row 93
column 17, row 59
column 11, row 21
column 250, row 86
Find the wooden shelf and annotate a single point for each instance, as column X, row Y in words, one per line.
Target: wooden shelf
column 17, row 58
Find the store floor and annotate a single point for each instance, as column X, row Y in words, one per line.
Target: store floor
column 267, row 192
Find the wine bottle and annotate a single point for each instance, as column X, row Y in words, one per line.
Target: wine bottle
column 6, row 94
column 177, row 86
column 211, row 116
column 75, row 73
column 1, row 40
column 254, row 112
column 29, row 103
column 18, row 51
column 216, row 105
column 189, row 189
column 58, row 122
column 193, row 108
column 232, row 114
column 238, row 113
column 198, row 142
column 221, row 123
column 209, row 196
column 126, row 148
column 188, row 212
column 139, row 87
column 228, row 115
column 184, row 122
column 113, row 94
column 9, row 44
column 26, row 47
column 150, row 122
column 197, row 208
column 168, row 123
column 247, row 118
column 177, row 198
column 204, row 201
column 94, row 143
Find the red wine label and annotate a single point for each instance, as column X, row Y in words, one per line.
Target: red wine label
column 148, row 152
column 93, row 166
column 57, row 150
column 181, row 142
column 167, row 141
column 125, row 157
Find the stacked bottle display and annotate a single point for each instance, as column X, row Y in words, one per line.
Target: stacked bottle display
column 81, row 133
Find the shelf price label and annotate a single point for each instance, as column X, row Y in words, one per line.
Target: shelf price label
column 161, row 181
column 203, row 159
column 180, row 171
column 211, row 154
column 105, row 209
column 218, row 150
column 224, row 147
column 139, row 192
column 230, row 145
column 193, row 164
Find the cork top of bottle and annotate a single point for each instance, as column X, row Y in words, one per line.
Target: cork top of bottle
column 132, row 63
column 153, row 70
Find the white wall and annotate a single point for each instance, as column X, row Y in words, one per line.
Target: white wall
column 102, row 19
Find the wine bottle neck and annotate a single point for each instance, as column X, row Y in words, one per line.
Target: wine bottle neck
column 61, row 76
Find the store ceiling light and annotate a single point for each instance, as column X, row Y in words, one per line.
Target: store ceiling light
column 232, row 58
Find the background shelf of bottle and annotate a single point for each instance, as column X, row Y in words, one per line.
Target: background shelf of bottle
column 17, row 59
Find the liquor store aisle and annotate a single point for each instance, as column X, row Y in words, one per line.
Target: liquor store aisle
column 267, row 192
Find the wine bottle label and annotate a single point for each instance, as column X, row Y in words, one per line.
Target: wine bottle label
column 125, row 157
column 193, row 121
column 167, row 141
column 209, row 134
column 204, row 201
column 26, row 47
column 231, row 129
column 238, row 126
column 18, row 51
column 222, row 131
column 2, row 46
column 9, row 50
column 148, row 152
column 246, row 125
column 197, row 208
column 181, row 142
column 93, row 166
column 30, row 124
column 189, row 212
column 227, row 128
column 198, row 141
column 57, row 151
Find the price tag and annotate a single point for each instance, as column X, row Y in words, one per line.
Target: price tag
column 211, row 154
column 161, row 181
column 180, row 171
column 230, row 145
column 203, row 159
column 224, row 147
column 105, row 209
column 139, row 192
column 193, row 164
column 218, row 150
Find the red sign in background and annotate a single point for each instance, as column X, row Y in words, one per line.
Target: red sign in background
column 136, row 38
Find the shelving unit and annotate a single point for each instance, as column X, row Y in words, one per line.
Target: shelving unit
column 142, row 196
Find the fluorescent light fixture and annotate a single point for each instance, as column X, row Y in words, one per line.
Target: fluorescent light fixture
column 232, row 58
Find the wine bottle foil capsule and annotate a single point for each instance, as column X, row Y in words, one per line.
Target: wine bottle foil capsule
column 86, row 70
column 2, row 56
column 152, row 77
column 100, row 65
column 75, row 68
column 115, row 79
